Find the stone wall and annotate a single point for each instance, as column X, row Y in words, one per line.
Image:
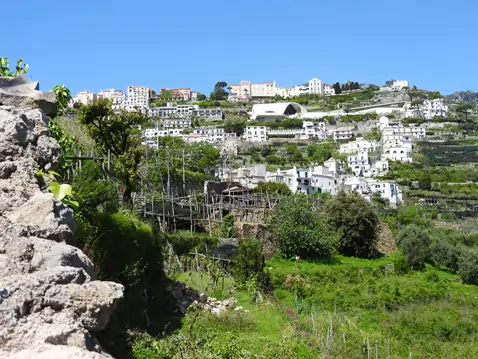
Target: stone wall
column 51, row 306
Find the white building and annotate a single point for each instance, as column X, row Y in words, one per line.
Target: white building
column 255, row 133
column 182, row 123
column 398, row 85
column 388, row 190
column 117, row 97
column 428, row 110
column 170, row 111
column 213, row 134
column 359, row 163
column 247, row 176
column 278, row 110
column 211, row 114
column 329, row 90
column 84, row 97
column 299, row 90
column 248, row 90
column 378, row 168
column 359, row 145
column 316, row 179
column 397, row 153
column 402, row 132
column 316, row 86
column 138, row 97
column 284, row 92
column 342, row 134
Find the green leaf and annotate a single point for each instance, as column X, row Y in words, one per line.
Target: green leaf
column 39, row 173
column 60, row 191
column 72, row 204
column 54, row 173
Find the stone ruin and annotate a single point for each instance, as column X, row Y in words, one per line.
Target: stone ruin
column 51, row 306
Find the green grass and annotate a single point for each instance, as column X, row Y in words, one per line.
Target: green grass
column 428, row 313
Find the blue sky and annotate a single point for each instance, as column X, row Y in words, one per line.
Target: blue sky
column 98, row 44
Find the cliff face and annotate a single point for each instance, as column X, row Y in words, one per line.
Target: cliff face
column 50, row 304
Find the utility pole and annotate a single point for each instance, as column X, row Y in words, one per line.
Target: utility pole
column 184, row 177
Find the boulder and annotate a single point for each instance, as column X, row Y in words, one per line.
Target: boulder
column 20, row 92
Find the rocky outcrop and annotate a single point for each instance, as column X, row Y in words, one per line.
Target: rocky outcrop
column 23, row 93
column 50, row 304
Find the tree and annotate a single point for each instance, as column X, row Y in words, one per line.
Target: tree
column 465, row 109
column 120, row 135
column 201, row 97
column 273, row 188
column 415, row 244
column 468, row 266
column 219, row 92
column 63, row 97
column 298, row 231
column 235, row 124
column 353, row 216
column 425, row 181
column 250, row 265
column 337, row 88
column 203, row 157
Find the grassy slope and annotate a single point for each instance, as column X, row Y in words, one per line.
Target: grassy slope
column 427, row 313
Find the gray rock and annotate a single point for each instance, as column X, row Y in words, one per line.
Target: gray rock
column 49, row 305
column 45, row 217
column 20, row 92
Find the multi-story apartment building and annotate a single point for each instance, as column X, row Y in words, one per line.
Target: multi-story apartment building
column 342, row 134
column 299, row 90
column 387, row 189
column 316, row 86
column 359, row 163
column 117, row 97
column 359, row 145
column 402, row 132
column 398, row 85
column 249, row 90
column 180, row 123
column 138, row 97
column 428, row 110
column 214, row 134
column 180, row 111
column 153, row 133
column 84, row 97
column 255, row 133
column 211, row 114
column 284, row 92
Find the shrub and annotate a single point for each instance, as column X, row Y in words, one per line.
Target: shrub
column 249, row 264
column 445, row 254
column 415, row 244
column 227, row 226
column 273, row 188
column 298, row 230
column 468, row 266
column 355, row 220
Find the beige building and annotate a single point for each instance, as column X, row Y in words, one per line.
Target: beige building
column 249, row 90
column 84, row 98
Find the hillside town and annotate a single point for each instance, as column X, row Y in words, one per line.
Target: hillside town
column 363, row 162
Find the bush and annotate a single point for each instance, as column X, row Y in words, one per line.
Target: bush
column 445, row 254
column 415, row 245
column 468, row 266
column 298, row 230
column 227, row 226
column 356, row 221
column 273, row 188
column 250, row 264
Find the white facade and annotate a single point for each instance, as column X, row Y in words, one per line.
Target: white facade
column 316, row 86
column 359, row 163
column 387, row 189
column 342, row 134
column 213, row 134
column 181, row 111
column 150, row 133
column 299, row 90
column 212, row 114
column 359, row 145
column 284, row 92
column 329, row 90
column 247, row 176
column 138, row 97
column 434, row 108
column 398, row 85
column 406, row 133
column 117, row 97
column 255, row 133
column 84, row 98
column 182, row 123
column 397, row 153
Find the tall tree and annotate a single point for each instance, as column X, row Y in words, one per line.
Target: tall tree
column 120, row 135
column 219, row 92
column 465, row 109
column 337, row 88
